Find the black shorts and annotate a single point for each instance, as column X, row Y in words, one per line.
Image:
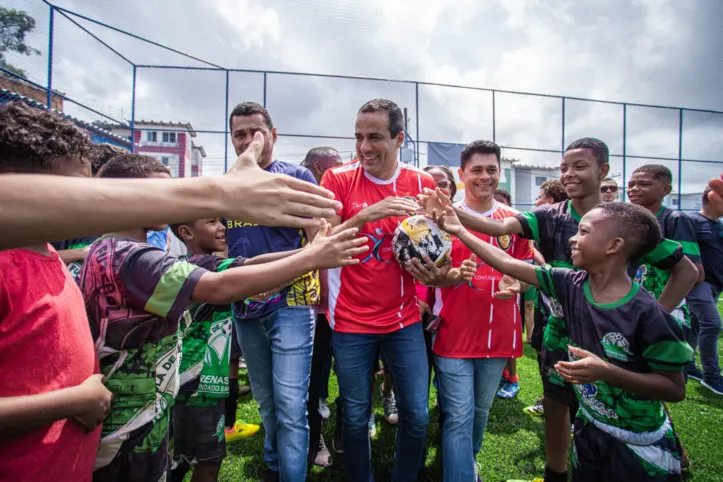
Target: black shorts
column 553, row 385
column 130, row 465
column 599, row 457
column 198, row 433
column 235, row 347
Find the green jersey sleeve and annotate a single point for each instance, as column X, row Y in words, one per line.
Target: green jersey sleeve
column 665, row 255
column 662, row 342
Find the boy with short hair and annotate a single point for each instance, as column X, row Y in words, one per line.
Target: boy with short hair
column 136, row 296
column 584, row 165
column 627, row 352
column 49, row 409
column 199, row 412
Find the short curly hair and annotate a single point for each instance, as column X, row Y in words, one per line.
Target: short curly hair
column 133, row 166
column 33, row 140
column 636, row 225
column 102, row 153
column 555, row 190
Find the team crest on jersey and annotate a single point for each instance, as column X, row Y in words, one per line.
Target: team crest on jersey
column 616, row 346
column 504, row 242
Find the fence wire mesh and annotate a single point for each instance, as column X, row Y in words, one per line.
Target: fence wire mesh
column 174, row 105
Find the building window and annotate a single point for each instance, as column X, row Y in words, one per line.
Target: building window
column 169, row 137
column 151, row 136
column 165, row 160
column 539, row 180
column 675, row 201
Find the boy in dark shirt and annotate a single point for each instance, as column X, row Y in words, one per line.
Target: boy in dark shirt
column 627, row 353
column 136, row 298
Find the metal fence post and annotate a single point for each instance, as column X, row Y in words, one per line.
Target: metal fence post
column 562, row 143
column 264, row 90
column 625, row 146
column 494, row 125
column 133, row 112
column 51, row 29
column 417, row 144
column 680, row 159
column 226, row 130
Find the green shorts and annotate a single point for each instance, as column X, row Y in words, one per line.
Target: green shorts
column 531, row 294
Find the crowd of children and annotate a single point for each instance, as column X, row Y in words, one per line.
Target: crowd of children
column 138, row 379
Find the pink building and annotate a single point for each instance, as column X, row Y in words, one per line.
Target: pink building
column 169, row 142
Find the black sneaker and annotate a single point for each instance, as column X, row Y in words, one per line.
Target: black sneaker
column 715, row 385
column 337, row 441
column 694, row 373
column 270, row 476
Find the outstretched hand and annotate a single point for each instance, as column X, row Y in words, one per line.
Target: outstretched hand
column 433, row 199
column 447, row 220
column 468, row 269
column 429, row 274
column 588, row 368
column 257, row 196
column 508, row 288
column 337, row 250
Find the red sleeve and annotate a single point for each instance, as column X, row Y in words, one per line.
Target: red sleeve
column 331, row 182
column 522, row 249
column 428, row 182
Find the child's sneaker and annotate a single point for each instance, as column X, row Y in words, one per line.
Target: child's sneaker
column 240, row 431
column 536, row 410
column 389, row 403
column 508, row 390
column 372, row 427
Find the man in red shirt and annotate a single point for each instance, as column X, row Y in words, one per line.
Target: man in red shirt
column 481, row 325
column 50, row 408
column 373, row 305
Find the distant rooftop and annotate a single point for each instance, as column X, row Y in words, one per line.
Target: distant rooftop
column 94, row 128
column 186, row 126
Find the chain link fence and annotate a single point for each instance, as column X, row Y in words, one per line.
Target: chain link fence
column 133, row 91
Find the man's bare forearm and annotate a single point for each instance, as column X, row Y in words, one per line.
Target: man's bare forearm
column 40, row 208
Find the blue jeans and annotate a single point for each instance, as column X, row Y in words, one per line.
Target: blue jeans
column 467, row 387
column 405, row 356
column 705, row 327
column 277, row 348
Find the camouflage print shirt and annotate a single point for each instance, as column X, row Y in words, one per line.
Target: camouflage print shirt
column 635, row 334
column 679, row 227
column 135, row 296
column 207, row 343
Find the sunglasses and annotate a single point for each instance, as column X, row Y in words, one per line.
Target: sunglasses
column 444, row 184
column 609, row 189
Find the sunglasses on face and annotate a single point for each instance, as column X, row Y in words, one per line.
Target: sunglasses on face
column 444, row 184
column 609, row 189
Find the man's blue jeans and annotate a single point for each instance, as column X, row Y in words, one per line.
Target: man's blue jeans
column 705, row 327
column 277, row 348
column 467, row 387
column 405, row 356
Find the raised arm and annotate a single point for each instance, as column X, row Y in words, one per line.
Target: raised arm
column 437, row 201
column 239, row 283
column 39, row 208
column 495, row 257
column 388, row 207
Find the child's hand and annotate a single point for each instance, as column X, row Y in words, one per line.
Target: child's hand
column 96, row 403
column 447, row 220
column 468, row 269
column 423, row 309
column 431, row 200
column 508, row 288
column 339, row 250
column 588, row 368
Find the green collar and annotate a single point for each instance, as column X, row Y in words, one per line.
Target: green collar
column 615, row 304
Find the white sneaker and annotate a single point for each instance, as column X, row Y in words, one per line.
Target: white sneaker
column 324, row 409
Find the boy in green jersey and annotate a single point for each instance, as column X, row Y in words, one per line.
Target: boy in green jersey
column 627, row 353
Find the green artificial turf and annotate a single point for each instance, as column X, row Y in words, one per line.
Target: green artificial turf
column 513, row 446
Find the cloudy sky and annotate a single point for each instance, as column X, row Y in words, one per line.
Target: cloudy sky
column 666, row 52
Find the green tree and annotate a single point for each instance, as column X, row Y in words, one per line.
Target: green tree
column 14, row 25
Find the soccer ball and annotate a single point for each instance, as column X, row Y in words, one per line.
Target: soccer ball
column 419, row 235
